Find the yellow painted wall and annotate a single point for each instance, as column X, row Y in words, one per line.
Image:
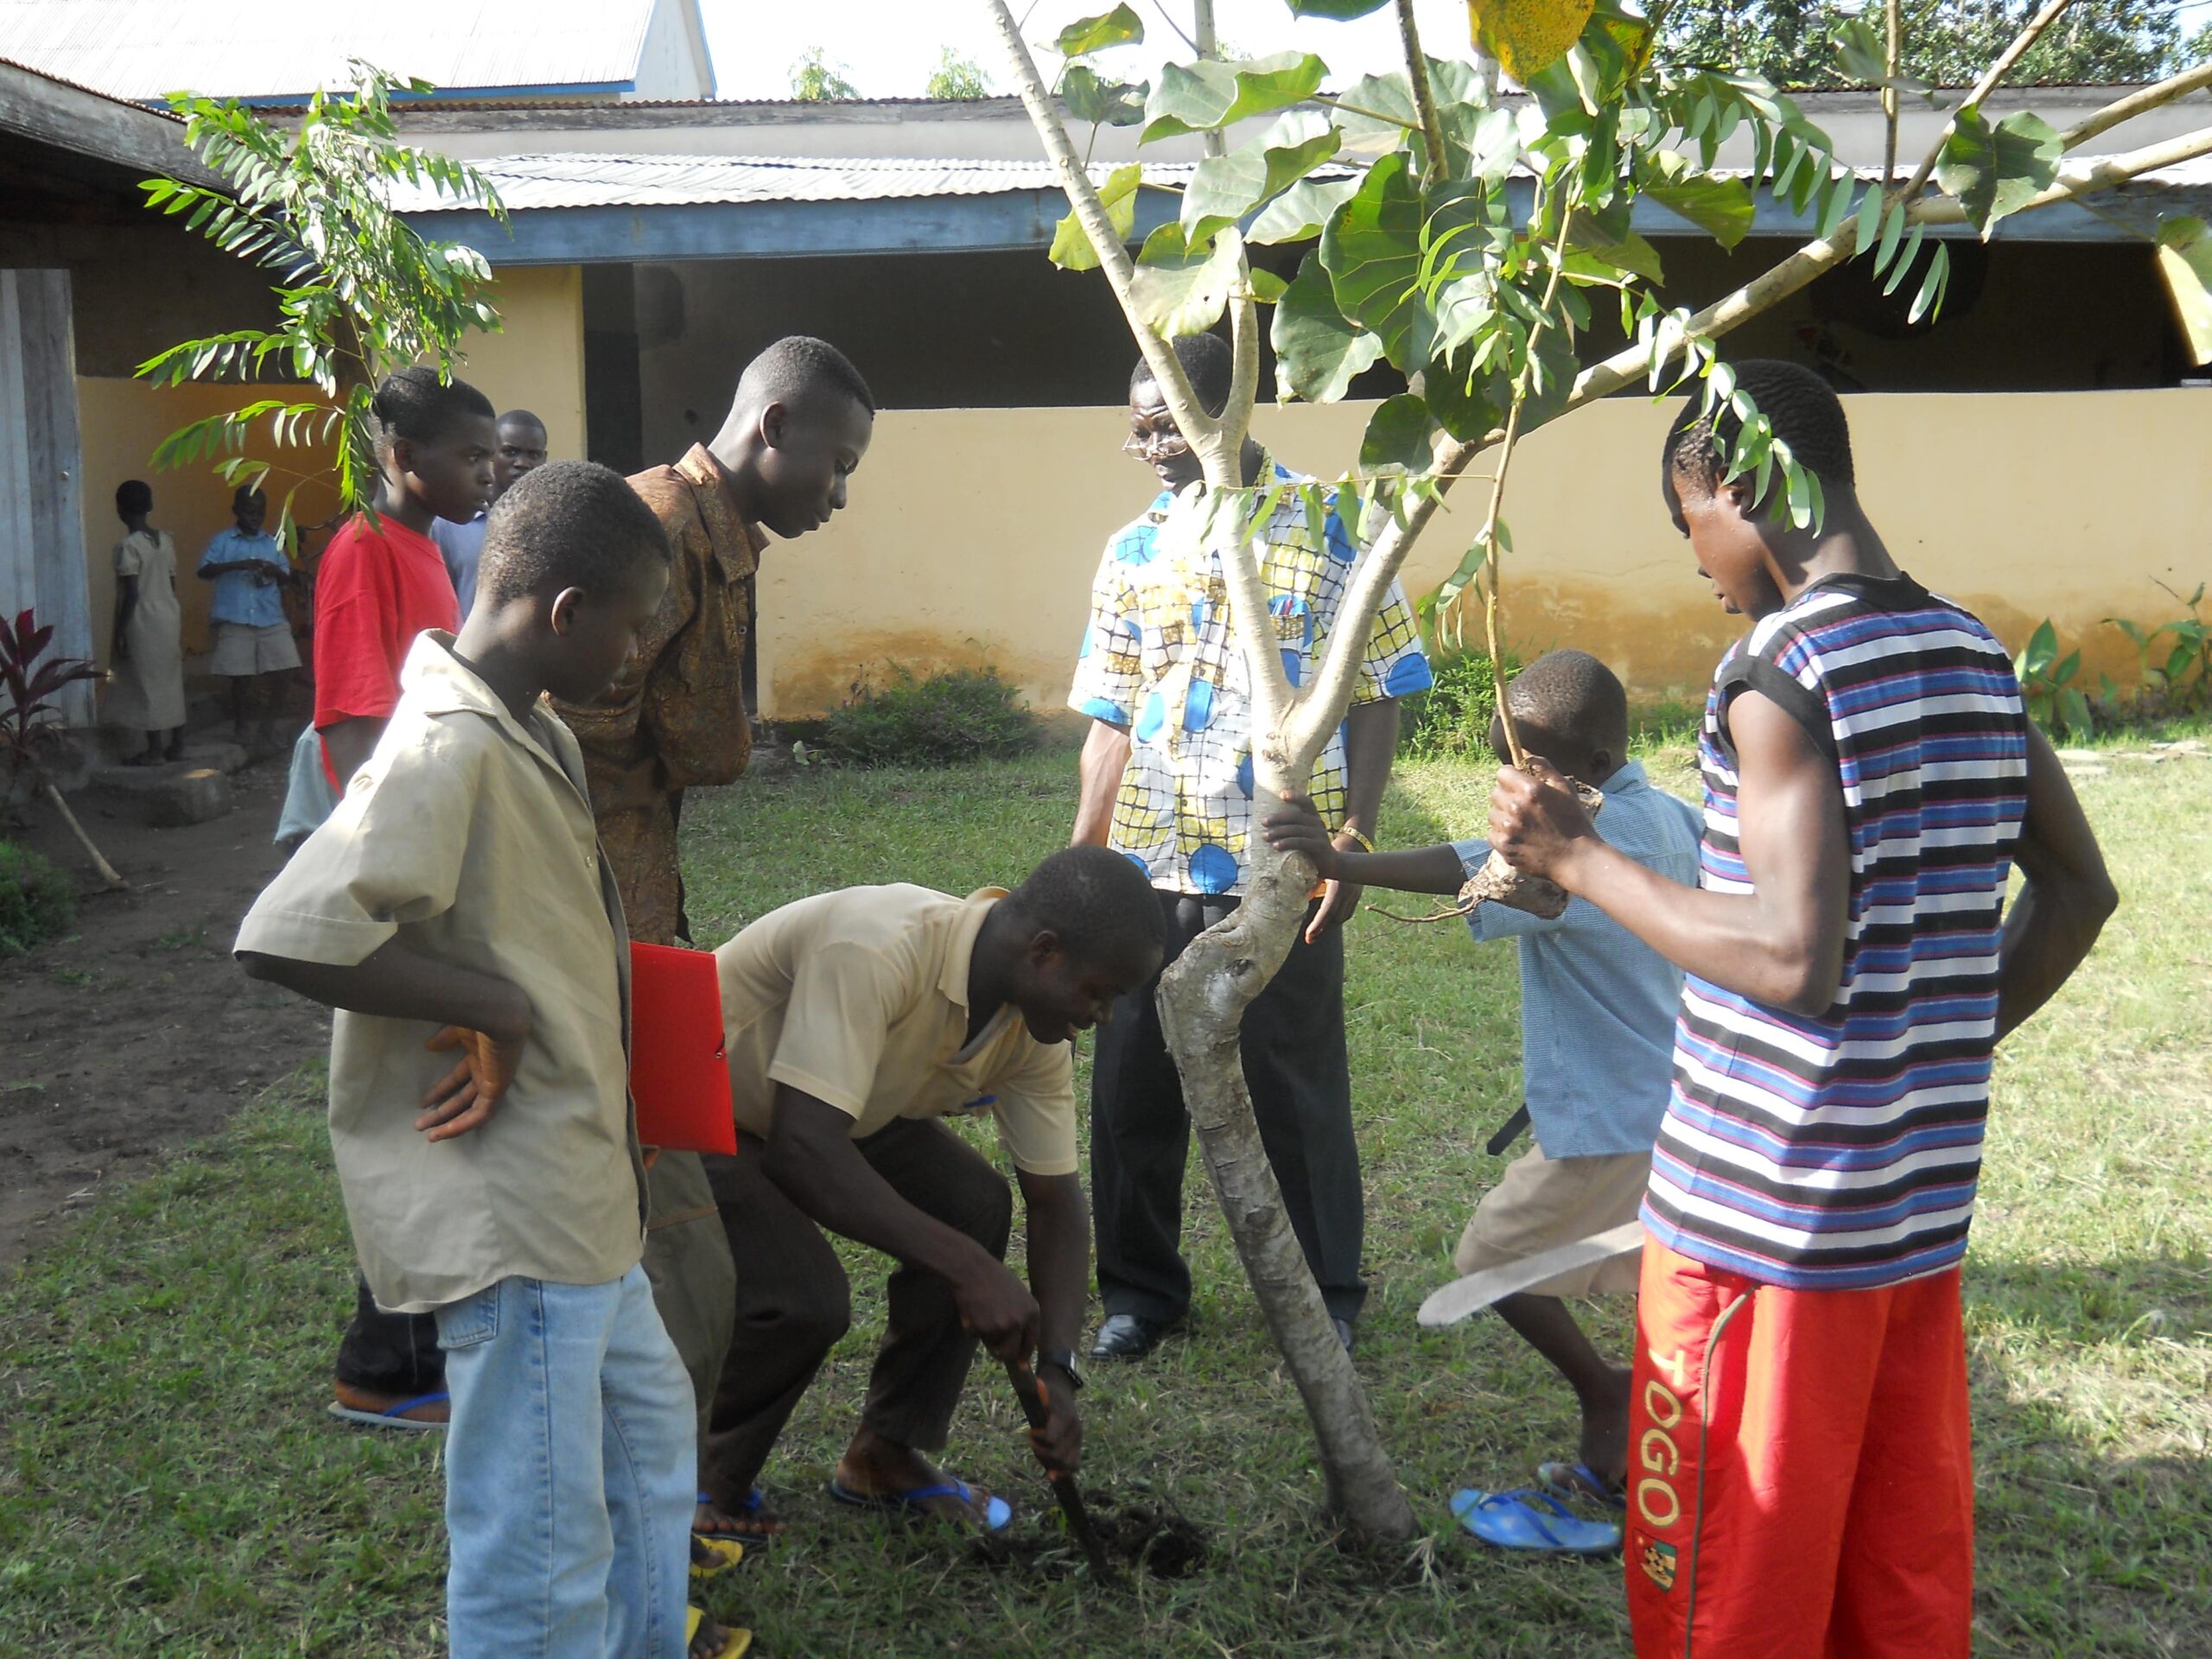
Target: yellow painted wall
column 537, row 361
column 973, row 534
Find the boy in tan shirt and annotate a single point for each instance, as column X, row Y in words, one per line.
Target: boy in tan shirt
column 454, row 907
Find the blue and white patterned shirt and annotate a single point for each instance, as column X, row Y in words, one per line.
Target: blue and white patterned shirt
column 1158, row 657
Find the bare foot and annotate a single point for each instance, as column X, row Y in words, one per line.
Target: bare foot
column 875, row 1467
column 1605, row 1430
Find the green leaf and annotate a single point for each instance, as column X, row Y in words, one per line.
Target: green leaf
column 1869, row 218
column 1929, row 303
column 1226, row 188
column 2042, row 649
column 1397, row 436
column 1071, row 249
column 1892, row 230
column 1861, row 53
column 1721, row 207
column 1317, row 349
column 1904, row 260
column 1371, row 251
column 1267, row 286
column 1203, row 96
column 1100, row 102
column 2187, row 268
column 1301, row 211
column 1120, row 26
column 1632, row 254
column 1181, row 287
column 1994, row 171
column 2180, row 231
column 2073, row 712
column 1341, row 10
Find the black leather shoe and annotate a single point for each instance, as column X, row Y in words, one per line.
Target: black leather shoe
column 1343, row 1331
column 1127, row 1336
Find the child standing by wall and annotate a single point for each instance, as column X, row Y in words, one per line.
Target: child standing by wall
column 455, row 906
column 148, row 654
column 254, row 648
column 1596, row 1039
column 1804, row 1479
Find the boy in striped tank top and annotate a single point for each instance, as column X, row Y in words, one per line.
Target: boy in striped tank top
column 1800, row 1480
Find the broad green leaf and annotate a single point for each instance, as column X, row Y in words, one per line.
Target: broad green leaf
column 1861, row 53
column 1377, row 113
column 1317, row 349
column 1267, row 286
column 1103, row 103
column 2042, row 649
column 1631, row 253
column 2073, row 712
column 2180, row 231
column 1180, row 286
column 1071, row 249
column 1371, row 251
column 2188, row 274
column 1226, row 188
column 1527, row 36
column 1397, row 436
column 1466, row 412
column 1202, row 96
column 1721, row 207
column 1994, row 171
column 1301, row 211
column 1120, row 26
column 1342, row 10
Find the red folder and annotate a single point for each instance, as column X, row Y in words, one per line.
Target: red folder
column 679, row 1074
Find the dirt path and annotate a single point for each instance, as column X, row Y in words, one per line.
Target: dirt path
column 136, row 1033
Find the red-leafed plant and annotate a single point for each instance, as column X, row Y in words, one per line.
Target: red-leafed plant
column 30, row 722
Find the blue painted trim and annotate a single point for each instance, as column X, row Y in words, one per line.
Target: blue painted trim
column 1021, row 219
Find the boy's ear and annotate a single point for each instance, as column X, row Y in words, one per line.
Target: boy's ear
column 775, row 425
column 1044, row 946
column 562, row 614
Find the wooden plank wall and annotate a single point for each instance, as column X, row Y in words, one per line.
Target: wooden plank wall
column 42, row 547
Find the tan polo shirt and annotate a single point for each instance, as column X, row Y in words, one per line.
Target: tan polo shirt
column 859, row 998
column 469, row 835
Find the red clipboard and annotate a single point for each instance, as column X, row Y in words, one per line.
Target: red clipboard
column 679, row 1072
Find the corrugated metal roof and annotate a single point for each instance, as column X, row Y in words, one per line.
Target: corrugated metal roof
column 144, row 49
column 578, row 180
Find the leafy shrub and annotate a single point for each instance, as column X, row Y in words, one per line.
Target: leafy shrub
column 2047, row 683
column 2176, row 678
column 1451, row 720
column 37, row 901
column 968, row 714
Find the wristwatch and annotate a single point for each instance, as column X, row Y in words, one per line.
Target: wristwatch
column 1062, row 1361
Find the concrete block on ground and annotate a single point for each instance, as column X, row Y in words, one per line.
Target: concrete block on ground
column 167, row 796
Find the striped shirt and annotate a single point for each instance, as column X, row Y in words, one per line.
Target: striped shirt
column 1841, row 1150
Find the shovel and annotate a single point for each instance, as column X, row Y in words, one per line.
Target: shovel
column 1026, row 1389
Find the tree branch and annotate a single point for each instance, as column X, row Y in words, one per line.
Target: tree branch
column 1207, row 45
column 1892, row 63
column 2144, row 97
column 1996, row 72
column 1432, row 129
column 2086, row 178
column 1199, row 429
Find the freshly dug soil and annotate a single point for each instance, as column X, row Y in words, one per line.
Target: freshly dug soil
column 1138, row 1537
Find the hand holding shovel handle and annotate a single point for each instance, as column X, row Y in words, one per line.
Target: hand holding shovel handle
column 1033, row 1407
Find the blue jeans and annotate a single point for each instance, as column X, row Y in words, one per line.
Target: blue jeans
column 570, row 1472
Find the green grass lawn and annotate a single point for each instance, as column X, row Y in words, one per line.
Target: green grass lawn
column 169, row 1485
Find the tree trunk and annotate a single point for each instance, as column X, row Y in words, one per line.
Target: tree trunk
column 1203, row 997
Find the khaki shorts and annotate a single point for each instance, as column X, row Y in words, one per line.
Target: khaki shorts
column 1541, row 1203
column 241, row 650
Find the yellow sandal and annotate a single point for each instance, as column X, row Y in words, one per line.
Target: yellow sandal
column 735, row 1643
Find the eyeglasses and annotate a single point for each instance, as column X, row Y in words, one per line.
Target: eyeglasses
column 1156, row 446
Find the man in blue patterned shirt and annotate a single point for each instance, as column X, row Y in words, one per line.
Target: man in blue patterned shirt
column 1168, row 780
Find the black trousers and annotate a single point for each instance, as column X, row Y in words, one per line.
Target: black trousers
column 794, row 1302
column 1295, row 1066
column 390, row 1353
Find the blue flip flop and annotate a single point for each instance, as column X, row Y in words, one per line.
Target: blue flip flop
column 997, row 1512
column 392, row 1416
column 1574, row 1480
column 1515, row 1521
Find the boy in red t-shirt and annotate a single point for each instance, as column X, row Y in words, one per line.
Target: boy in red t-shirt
column 380, row 584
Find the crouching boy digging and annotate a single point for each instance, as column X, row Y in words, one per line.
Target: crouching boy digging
column 1597, row 1045
column 454, row 908
column 855, row 1019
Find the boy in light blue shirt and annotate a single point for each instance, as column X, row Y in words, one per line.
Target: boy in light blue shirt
column 254, row 645
column 1598, row 1011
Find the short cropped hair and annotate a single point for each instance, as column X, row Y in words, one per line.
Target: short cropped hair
column 1207, row 364
column 521, row 417
column 245, row 495
column 415, row 404
column 1802, row 408
column 569, row 523
column 795, row 365
column 1098, row 904
column 134, row 495
column 1574, row 695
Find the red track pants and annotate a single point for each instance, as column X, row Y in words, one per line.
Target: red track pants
column 1800, row 1481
